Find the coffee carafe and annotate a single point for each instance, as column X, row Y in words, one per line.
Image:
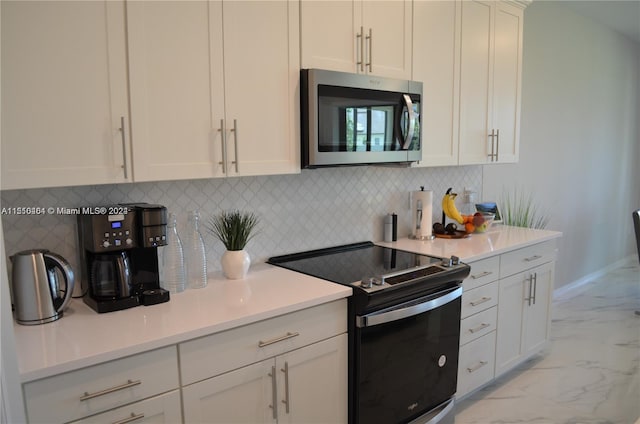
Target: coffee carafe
column 37, row 296
column 119, row 256
column 111, row 275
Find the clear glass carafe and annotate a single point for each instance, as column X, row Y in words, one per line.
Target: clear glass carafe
column 195, row 254
column 173, row 269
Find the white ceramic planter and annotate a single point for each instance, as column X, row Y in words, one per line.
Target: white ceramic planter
column 235, row 264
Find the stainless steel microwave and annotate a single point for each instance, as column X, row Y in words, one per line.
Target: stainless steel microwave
column 354, row 119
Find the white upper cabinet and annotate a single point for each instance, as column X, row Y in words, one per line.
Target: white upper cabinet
column 436, row 34
column 261, row 93
column 170, row 97
column 358, row 36
column 197, row 68
column 490, row 80
column 64, row 94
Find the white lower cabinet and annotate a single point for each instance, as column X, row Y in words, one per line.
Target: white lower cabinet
column 287, row 369
column 163, row 409
column 506, row 310
column 523, row 315
column 306, row 385
column 106, row 387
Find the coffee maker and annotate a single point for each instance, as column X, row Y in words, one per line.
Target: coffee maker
column 119, row 255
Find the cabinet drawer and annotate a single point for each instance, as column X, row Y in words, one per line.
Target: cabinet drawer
column 476, row 364
column 476, row 300
column 163, row 409
column 95, row 389
column 527, row 257
column 478, row 325
column 218, row 353
column 482, row 272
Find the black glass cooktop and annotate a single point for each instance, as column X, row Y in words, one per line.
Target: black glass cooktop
column 353, row 263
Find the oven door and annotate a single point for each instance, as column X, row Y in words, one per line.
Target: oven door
column 406, row 358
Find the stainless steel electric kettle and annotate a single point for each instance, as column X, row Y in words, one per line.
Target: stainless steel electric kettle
column 37, row 297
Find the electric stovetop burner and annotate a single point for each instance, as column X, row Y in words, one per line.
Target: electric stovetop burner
column 368, row 267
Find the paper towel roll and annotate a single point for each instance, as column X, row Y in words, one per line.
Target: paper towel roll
column 422, row 212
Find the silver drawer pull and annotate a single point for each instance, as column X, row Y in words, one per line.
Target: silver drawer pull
column 480, row 327
column 126, row 385
column 477, row 367
column 484, row 274
column 278, row 339
column 480, row 301
column 130, row 419
column 532, row 258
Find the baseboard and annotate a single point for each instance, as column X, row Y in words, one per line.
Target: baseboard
column 567, row 291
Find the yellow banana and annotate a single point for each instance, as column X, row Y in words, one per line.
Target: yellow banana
column 449, row 208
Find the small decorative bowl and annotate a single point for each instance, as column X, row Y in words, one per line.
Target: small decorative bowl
column 487, row 222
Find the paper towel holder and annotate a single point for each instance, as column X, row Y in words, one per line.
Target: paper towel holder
column 418, row 215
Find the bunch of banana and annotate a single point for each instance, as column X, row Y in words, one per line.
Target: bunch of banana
column 449, row 207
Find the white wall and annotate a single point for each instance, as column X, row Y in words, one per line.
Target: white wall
column 580, row 138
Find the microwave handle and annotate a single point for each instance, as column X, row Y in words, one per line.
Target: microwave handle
column 412, row 122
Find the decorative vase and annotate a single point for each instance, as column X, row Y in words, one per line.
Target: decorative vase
column 235, row 264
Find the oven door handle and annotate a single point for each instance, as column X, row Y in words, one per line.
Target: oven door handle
column 382, row 317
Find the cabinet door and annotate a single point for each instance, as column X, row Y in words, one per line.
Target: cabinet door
column 64, row 93
column 436, row 32
column 388, row 50
column 312, row 385
column 261, row 62
column 510, row 316
column 337, row 49
column 476, row 81
column 173, row 117
column 538, row 314
column 507, row 81
column 240, row 396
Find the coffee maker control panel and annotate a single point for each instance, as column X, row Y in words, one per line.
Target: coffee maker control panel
column 106, row 233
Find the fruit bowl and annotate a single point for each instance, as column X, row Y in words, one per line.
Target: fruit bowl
column 482, row 221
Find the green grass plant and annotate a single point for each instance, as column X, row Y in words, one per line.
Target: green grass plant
column 233, row 228
column 520, row 210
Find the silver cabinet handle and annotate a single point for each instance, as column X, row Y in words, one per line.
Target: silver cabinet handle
column 130, row 419
column 223, row 162
column 124, row 147
column 535, row 286
column 360, row 36
column 492, row 155
column 477, row 366
column 532, row 258
column 126, row 385
column 530, row 297
column 370, row 50
column 274, row 393
column 234, row 130
column 285, row 370
column 480, row 327
column 483, row 274
column 480, row 301
column 497, row 145
column 287, row 336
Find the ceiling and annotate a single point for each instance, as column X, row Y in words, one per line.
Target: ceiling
column 620, row 15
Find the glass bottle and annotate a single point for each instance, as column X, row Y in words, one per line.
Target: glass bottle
column 195, row 254
column 173, row 260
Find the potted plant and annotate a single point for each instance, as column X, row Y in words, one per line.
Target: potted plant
column 234, row 229
column 519, row 210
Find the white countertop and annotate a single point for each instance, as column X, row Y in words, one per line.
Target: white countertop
column 497, row 240
column 83, row 337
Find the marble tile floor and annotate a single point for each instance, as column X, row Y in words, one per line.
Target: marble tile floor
column 590, row 373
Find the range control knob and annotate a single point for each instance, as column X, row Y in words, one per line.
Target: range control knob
column 367, row 283
column 455, row 260
column 446, row 262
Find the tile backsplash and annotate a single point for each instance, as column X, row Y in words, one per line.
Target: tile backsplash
column 314, row 209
